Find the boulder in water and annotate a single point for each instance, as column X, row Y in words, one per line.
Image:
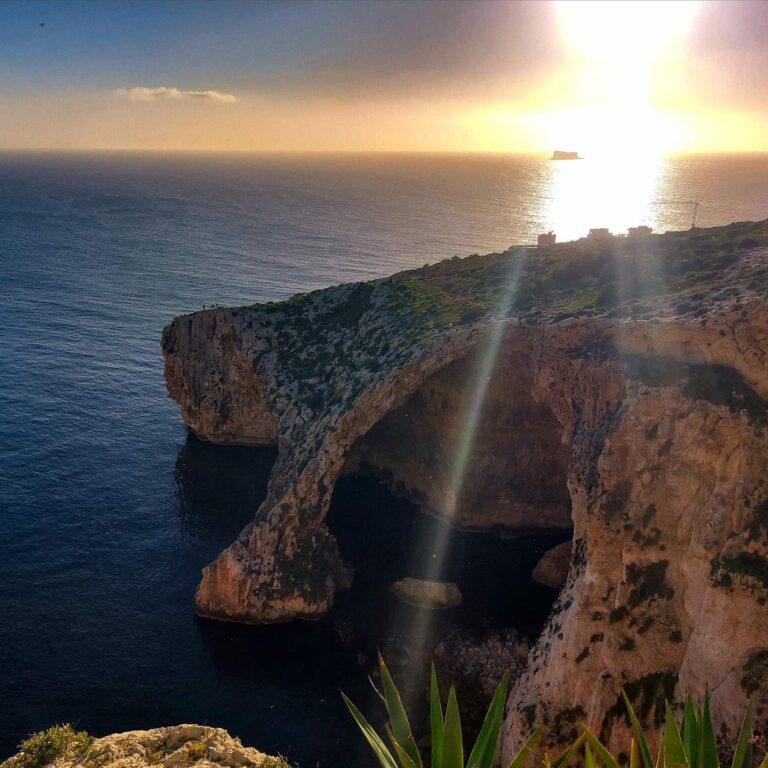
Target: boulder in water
column 552, row 568
column 436, row 595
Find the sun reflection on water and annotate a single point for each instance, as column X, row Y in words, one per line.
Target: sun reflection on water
column 603, row 192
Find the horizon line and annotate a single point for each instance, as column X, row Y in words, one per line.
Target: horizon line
column 382, row 152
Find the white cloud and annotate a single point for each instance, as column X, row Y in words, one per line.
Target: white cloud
column 162, row 93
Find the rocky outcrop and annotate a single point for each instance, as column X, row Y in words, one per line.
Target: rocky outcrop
column 229, row 407
column 436, row 595
column 552, row 569
column 619, row 388
column 176, row 746
column 476, row 662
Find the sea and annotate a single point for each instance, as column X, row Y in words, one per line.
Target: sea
column 108, row 510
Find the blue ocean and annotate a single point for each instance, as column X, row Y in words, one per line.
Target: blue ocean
column 108, row 510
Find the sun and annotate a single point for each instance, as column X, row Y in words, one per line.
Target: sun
column 618, row 48
column 625, row 31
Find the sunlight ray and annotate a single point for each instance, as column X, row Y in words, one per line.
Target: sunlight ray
column 476, row 394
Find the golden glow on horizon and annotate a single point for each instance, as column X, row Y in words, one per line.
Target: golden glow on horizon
column 630, row 84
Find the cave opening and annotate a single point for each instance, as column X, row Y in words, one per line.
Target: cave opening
column 385, row 538
column 397, row 513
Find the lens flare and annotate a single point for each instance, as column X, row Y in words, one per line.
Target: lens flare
column 478, row 388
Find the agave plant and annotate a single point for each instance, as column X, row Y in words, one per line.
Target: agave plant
column 447, row 744
column 691, row 745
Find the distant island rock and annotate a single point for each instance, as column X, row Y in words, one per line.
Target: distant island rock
column 560, row 154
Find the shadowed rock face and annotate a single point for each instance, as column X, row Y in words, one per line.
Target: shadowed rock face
column 516, row 462
column 228, row 407
column 626, row 398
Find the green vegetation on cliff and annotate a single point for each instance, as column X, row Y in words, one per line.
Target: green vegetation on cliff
column 42, row 748
column 617, row 277
column 356, row 331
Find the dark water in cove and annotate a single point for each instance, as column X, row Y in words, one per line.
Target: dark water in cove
column 108, row 511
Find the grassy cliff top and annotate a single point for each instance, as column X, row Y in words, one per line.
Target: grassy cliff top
column 674, row 273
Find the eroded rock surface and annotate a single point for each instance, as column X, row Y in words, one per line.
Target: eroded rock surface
column 176, row 746
column 619, row 388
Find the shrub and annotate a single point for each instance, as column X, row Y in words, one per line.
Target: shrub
column 196, row 750
column 44, row 747
column 155, row 755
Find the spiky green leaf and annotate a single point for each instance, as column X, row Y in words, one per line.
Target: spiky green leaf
column 562, row 759
column 518, row 761
column 603, row 755
column 707, row 745
column 589, row 760
column 642, row 744
column 383, row 755
column 402, row 756
column 674, row 752
column 742, row 757
column 453, row 748
column 436, row 721
column 484, row 749
column 397, row 717
column 689, row 732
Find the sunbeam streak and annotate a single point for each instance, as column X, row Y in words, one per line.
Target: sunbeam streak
column 477, row 391
column 480, row 387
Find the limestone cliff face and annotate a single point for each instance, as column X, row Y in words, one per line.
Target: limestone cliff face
column 620, row 390
column 668, row 583
column 222, row 399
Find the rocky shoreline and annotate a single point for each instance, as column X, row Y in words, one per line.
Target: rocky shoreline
column 623, row 389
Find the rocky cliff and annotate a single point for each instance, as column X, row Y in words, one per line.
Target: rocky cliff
column 176, row 746
column 618, row 388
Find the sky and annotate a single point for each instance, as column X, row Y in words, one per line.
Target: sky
column 387, row 75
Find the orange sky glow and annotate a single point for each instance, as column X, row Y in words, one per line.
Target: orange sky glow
column 610, row 75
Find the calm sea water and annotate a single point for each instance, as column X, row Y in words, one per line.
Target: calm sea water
column 107, row 511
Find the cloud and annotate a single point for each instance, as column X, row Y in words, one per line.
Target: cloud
column 163, row 93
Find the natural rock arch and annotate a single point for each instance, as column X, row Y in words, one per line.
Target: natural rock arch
column 665, row 420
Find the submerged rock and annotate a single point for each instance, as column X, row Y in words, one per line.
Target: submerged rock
column 171, row 747
column 476, row 661
column 436, row 595
column 552, row 568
